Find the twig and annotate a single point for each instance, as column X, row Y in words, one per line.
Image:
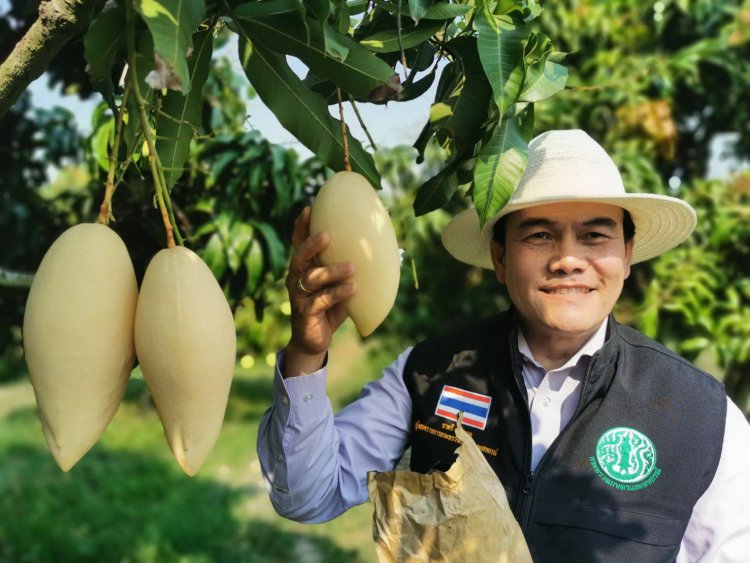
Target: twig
column 347, row 164
column 400, row 43
column 105, row 210
column 362, row 122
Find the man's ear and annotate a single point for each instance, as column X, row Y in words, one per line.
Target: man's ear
column 628, row 256
column 497, row 251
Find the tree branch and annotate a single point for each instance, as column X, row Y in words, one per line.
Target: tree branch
column 59, row 21
column 9, row 278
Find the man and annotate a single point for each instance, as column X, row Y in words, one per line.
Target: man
column 610, row 447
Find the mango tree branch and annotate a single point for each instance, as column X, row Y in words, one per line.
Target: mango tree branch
column 59, row 21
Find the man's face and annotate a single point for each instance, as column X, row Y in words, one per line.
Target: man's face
column 564, row 265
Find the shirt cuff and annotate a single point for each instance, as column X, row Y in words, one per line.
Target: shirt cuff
column 299, row 398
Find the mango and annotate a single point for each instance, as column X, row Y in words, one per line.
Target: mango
column 78, row 337
column 361, row 232
column 186, row 344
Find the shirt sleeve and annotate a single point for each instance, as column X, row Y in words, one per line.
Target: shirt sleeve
column 719, row 528
column 315, row 465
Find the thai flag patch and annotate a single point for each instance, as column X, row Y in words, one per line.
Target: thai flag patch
column 476, row 407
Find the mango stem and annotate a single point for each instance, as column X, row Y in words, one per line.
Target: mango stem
column 105, row 209
column 347, row 163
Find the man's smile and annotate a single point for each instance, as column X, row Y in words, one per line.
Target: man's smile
column 566, row 290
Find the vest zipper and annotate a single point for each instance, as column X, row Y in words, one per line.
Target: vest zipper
column 528, row 483
column 527, row 491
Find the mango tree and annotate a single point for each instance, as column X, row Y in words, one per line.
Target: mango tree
column 496, row 67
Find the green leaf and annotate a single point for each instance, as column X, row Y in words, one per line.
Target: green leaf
column 342, row 18
column 237, row 245
column 387, row 41
column 100, row 47
column 320, row 8
column 437, row 191
column 255, row 266
column 416, row 89
column 180, row 116
column 501, row 45
column 500, row 165
column 214, row 256
column 101, row 141
column 302, row 112
column 360, row 72
column 543, row 80
column 418, row 9
column 275, row 250
column 446, row 11
column 469, row 100
column 265, row 8
column 438, row 11
column 171, row 23
column 532, row 10
column 526, row 123
column 333, row 45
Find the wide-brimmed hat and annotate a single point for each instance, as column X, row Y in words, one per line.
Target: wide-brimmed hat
column 566, row 166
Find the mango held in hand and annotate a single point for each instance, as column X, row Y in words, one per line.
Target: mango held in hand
column 186, row 345
column 349, row 210
column 78, row 337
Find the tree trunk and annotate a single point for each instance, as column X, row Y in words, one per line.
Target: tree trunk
column 59, row 21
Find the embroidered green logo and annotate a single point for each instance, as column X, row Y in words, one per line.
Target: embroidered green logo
column 625, row 459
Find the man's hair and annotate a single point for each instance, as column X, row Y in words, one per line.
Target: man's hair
column 498, row 230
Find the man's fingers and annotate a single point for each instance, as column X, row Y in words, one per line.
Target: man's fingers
column 304, row 257
column 337, row 315
column 329, row 297
column 321, row 277
column 301, row 227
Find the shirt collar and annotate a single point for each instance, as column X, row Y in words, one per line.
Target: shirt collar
column 589, row 348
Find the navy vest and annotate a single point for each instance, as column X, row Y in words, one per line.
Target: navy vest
column 621, row 480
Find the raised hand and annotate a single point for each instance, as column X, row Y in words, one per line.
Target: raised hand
column 316, row 294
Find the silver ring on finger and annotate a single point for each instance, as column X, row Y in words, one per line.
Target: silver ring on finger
column 302, row 288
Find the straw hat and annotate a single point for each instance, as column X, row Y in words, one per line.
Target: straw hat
column 571, row 166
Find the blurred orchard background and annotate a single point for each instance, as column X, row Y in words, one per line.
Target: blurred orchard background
column 662, row 85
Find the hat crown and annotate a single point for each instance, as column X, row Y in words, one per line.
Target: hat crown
column 567, row 163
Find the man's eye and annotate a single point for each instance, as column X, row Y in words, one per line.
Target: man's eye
column 540, row 236
column 595, row 235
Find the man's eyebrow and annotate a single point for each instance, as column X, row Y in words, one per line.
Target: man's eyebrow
column 542, row 222
column 536, row 222
column 601, row 222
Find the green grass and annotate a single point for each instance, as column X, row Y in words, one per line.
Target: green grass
column 128, row 501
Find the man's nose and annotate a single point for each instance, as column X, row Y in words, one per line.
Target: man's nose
column 567, row 258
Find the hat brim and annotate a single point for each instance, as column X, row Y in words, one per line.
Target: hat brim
column 661, row 223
